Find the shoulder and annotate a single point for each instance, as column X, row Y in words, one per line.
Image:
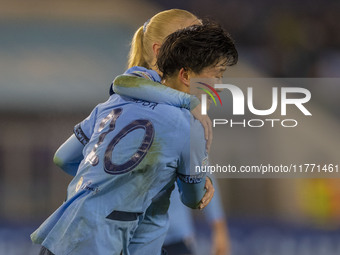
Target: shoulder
column 179, row 116
column 143, row 72
column 184, row 116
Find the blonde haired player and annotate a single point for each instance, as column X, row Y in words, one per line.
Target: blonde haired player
column 145, row 46
column 148, row 39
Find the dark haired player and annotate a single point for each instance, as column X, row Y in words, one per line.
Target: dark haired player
column 133, row 153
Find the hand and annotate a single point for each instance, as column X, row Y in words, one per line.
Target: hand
column 220, row 238
column 208, row 194
column 206, row 123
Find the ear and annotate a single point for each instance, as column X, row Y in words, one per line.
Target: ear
column 184, row 77
column 155, row 49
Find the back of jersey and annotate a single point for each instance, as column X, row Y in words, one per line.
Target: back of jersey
column 132, row 151
column 134, row 148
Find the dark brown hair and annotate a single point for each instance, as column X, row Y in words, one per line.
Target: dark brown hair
column 195, row 48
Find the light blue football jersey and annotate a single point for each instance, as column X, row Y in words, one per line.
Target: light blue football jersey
column 134, row 150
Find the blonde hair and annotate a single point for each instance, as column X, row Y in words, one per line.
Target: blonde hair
column 155, row 30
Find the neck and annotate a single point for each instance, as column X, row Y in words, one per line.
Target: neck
column 174, row 84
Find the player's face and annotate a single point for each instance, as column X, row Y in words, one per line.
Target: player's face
column 213, row 72
column 210, row 75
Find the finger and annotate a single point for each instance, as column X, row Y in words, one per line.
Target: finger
column 206, row 130
column 204, row 203
column 207, row 198
column 210, row 191
column 207, row 201
column 210, row 134
column 208, row 184
column 208, row 194
column 209, row 142
column 210, row 129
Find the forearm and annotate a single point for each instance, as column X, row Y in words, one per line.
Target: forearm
column 69, row 155
column 191, row 194
column 219, row 226
column 220, row 237
column 153, row 91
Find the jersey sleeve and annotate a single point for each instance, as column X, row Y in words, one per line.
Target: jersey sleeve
column 126, row 85
column 70, row 153
column 84, row 130
column 190, row 179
